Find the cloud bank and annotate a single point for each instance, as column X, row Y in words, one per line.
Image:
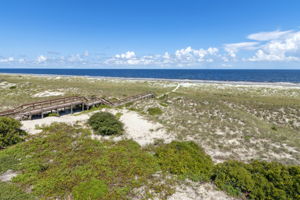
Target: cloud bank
column 262, row 47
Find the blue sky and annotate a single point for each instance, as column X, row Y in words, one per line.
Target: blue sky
column 150, row 34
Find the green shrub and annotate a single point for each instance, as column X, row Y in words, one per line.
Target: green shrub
column 274, row 128
column 9, row 191
column 154, row 111
column 77, row 163
column 258, row 180
column 104, row 123
column 118, row 115
column 163, row 104
column 90, row 190
column 276, row 180
column 233, row 178
column 53, row 115
column 185, row 159
column 10, row 132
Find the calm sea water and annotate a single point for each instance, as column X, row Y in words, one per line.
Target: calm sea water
column 292, row 76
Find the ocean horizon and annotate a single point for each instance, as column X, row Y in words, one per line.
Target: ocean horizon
column 235, row 75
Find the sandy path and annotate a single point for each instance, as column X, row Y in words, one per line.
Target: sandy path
column 198, row 191
column 143, row 131
column 137, row 127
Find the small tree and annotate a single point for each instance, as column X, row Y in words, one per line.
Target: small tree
column 104, row 123
column 10, row 132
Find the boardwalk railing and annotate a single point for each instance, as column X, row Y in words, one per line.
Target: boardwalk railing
column 26, row 111
column 133, row 98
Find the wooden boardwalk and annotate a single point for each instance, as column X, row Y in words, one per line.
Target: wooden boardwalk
column 27, row 111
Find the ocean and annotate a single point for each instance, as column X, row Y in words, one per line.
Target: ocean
column 289, row 76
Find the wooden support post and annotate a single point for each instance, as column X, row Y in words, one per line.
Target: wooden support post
column 82, row 105
column 71, row 109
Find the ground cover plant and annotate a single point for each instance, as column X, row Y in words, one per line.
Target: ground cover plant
column 10, row 191
column 258, row 180
column 185, row 159
column 65, row 161
column 10, row 132
column 154, row 111
column 233, row 122
column 105, row 123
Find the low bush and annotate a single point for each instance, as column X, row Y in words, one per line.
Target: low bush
column 154, row 111
column 10, row 132
column 118, row 115
column 185, row 159
column 65, row 161
column 90, row 190
column 10, row 191
column 233, row 178
column 53, row 115
column 258, row 180
column 104, row 123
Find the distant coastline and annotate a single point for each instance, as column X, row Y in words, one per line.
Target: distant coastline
column 233, row 83
column 199, row 75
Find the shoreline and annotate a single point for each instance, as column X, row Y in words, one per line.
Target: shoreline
column 188, row 81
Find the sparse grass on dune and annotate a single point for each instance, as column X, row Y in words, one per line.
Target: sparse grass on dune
column 240, row 122
column 234, row 123
column 27, row 86
column 245, row 116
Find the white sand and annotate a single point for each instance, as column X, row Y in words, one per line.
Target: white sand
column 48, row 94
column 198, row 191
column 143, row 131
column 30, row 126
column 5, row 85
column 8, row 175
column 137, row 128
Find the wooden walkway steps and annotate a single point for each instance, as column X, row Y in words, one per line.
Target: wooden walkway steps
column 26, row 111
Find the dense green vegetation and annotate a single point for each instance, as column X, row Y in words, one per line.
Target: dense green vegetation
column 10, row 132
column 90, row 189
column 65, row 162
column 155, row 111
column 185, row 159
column 53, row 115
column 10, row 191
column 104, row 123
column 258, row 180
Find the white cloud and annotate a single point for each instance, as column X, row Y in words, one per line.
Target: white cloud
column 181, row 57
column 190, row 56
column 127, row 55
column 86, row 53
column 21, row 60
column 265, row 36
column 286, row 49
column 274, row 46
column 233, row 48
column 7, row 60
column 41, row 59
column 74, row 58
